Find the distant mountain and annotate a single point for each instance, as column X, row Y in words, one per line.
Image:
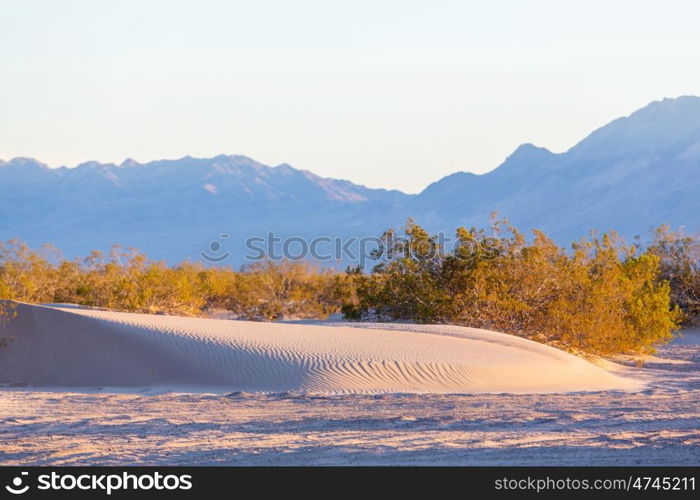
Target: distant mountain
column 173, row 209
column 632, row 174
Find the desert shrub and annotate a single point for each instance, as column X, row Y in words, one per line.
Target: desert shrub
column 26, row 274
column 406, row 284
column 287, row 289
column 679, row 264
column 601, row 298
column 402, row 287
column 126, row 280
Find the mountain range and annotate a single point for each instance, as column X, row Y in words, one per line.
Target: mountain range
column 632, row 174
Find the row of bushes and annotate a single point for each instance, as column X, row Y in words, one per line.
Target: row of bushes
column 125, row 280
column 679, row 265
column 601, row 297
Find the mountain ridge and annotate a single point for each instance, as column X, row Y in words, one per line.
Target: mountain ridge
column 630, row 174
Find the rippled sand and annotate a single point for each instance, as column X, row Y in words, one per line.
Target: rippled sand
column 104, row 350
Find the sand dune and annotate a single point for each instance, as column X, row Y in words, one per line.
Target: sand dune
column 80, row 348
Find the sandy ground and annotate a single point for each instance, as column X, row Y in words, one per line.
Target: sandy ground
column 659, row 425
column 105, row 350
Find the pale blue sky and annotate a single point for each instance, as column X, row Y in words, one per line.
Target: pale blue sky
column 388, row 94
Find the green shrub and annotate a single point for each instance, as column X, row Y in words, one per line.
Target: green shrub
column 679, row 264
column 599, row 299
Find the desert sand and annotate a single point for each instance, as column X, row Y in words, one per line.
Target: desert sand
column 55, row 346
column 51, row 425
column 659, row 425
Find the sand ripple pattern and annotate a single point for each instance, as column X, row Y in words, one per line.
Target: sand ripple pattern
column 81, row 348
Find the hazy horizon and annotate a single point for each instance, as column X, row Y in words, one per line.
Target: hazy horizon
column 392, row 95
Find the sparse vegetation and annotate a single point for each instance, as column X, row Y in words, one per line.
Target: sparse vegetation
column 602, row 297
column 127, row 281
column 679, row 264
